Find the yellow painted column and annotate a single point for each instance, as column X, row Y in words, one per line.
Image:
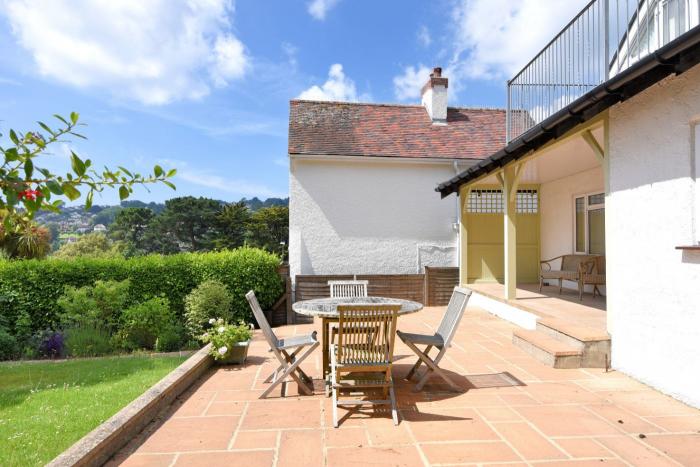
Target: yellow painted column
column 463, row 232
column 509, row 230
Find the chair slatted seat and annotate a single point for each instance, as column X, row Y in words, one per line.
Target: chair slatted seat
column 358, row 363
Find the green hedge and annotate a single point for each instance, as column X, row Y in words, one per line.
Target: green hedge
column 31, row 288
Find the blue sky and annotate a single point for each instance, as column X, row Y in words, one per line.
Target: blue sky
column 204, row 85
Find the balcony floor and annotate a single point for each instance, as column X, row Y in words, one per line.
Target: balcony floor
column 513, row 411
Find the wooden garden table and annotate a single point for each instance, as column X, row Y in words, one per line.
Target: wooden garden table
column 327, row 310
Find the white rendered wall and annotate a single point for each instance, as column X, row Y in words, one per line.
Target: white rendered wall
column 654, row 289
column 357, row 217
column 557, row 213
column 557, row 210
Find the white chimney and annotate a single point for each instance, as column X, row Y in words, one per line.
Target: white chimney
column 434, row 97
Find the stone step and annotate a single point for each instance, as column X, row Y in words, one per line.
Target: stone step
column 548, row 350
column 593, row 343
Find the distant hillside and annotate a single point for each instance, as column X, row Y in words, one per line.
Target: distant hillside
column 75, row 219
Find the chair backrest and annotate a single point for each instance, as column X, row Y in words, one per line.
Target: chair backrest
column 453, row 314
column 572, row 262
column 260, row 318
column 366, row 333
column 348, row 289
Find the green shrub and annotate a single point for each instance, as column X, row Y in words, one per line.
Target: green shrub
column 87, row 341
column 145, row 322
column 99, row 304
column 32, row 287
column 8, row 345
column 211, row 299
column 170, row 339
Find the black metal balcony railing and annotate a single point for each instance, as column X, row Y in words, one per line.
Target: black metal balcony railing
column 607, row 37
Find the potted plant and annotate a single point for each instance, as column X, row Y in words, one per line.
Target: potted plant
column 229, row 342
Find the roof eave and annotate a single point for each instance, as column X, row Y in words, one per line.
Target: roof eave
column 676, row 57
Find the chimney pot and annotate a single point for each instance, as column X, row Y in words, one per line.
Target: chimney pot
column 434, row 97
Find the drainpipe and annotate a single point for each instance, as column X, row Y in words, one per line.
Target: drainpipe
column 459, row 218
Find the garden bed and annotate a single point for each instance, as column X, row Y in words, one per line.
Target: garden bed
column 46, row 407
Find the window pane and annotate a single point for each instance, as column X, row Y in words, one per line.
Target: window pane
column 596, row 231
column 596, row 199
column 580, row 225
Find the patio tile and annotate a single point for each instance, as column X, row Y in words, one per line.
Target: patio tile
column 383, row 431
column 582, row 463
column 682, row 448
column 147, row 460
column 454, row 453
column 566, row 421
column 191, row 434
column 283, row 414
column 301, row 448
column 346, row 437
column 192, row 404
column 583, row 447
column 634, row 451
column 530, row 444
column 449, row 425
column 237, row 395
column 226, row 408
column 398, row 456
column 561, row 393
column 211, row 459
column 499, row 414
column 623, row 419
column 255, row 440
column 676, row 423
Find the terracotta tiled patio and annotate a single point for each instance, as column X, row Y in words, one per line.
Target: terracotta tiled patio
column 514, row 411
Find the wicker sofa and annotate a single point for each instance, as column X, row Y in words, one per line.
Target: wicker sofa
column 582, row 269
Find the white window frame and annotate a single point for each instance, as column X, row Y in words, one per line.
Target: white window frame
column 588, row 207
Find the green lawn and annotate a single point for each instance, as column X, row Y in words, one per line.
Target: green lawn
column 46, row 407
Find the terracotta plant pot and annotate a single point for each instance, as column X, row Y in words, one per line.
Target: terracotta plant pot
column 237, row 355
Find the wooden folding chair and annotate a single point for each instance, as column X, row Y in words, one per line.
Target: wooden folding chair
column 346, row 289
column 359, row 364
column 441, row 340
column 288, row 362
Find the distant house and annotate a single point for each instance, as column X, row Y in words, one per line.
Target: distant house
column 362, row 179
column 99, row 228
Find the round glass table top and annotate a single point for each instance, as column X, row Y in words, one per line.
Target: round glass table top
column 327, row 307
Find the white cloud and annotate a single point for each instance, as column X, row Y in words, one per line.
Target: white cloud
column 495, row 38
column 152, row 52
column 207, row 178
column 319, row 8
column 408, row 84
column 338, row 87
column 491, row 39
column 424, row 36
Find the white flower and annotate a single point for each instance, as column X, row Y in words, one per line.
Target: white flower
column 221, row 329
column 223, row 350
column 212, row 321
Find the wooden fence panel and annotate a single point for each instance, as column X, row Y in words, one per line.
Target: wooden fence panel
column 439, row 284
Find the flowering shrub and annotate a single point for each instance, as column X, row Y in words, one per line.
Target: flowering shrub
column 223, row 336
column 145, row 322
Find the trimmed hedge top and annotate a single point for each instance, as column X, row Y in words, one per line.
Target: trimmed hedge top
column 31, row 288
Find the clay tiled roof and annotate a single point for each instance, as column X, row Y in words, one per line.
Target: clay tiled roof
column 383, row 130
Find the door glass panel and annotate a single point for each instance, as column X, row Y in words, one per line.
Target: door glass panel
column 596, row 231
column 580, row 225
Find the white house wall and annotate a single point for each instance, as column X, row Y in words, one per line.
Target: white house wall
column 367, row 217
column 654, row 289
